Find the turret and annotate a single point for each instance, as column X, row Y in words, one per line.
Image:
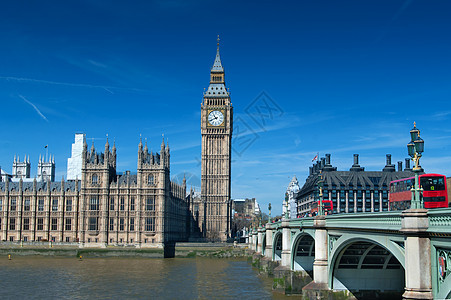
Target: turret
column 21, row 169
column 167, row 155
column 84, row 152
column 46, row 169
column 162, row 153
column 146, row 149
column 106, row 154
column 140, row 152
column 114, row 153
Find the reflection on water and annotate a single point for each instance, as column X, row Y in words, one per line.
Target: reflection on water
column 119, row 278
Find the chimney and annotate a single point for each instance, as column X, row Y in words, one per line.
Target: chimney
column 323, row 162
column 407, row 165
column 389, row 167
column 328, row 166
column 399, row 166
column 310, row 170
column 356, row 167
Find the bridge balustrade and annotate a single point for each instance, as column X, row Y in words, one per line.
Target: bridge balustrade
column 404, row 252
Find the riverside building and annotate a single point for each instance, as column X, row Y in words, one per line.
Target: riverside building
column 352, row 191
column 102, row 207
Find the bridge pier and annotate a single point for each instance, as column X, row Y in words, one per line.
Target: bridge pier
column 260, row 240
column 253, row 240
column 320, row 282
column 286, row 244
column 393, row 253
column 417, row 254
column 269, row 241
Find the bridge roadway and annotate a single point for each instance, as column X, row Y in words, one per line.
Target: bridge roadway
column 401, row 251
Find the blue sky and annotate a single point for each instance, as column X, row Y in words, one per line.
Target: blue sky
column 341, row 77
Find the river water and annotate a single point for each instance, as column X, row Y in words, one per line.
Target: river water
column 25, row 277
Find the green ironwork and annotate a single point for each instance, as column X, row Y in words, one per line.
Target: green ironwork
column 382, row 229
column 269, row 214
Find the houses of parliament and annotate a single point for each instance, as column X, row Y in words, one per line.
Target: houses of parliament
column 97, row 206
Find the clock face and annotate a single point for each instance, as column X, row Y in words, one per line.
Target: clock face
column 215, row 118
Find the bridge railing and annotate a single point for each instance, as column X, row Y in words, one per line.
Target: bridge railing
column 390, row 220
column 298, row 222
column 440, row 220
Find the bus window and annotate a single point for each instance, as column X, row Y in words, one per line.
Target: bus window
column 432, row 183
column 409, row 184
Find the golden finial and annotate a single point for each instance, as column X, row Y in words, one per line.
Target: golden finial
column 414, row 124
column 218, row 41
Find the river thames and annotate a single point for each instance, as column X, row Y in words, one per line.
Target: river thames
column 26, row 277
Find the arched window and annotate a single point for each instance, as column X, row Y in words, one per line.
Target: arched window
column 150, row 180
column 94, row 179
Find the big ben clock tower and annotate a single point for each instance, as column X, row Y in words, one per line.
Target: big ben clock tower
column 216, row 129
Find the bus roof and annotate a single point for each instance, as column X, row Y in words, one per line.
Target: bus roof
column 422, row 175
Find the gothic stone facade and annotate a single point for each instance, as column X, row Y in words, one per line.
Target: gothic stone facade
column 214, row 213
column 144, row 210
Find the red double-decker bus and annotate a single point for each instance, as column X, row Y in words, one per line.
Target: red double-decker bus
column 328, row 207
column 435, row 193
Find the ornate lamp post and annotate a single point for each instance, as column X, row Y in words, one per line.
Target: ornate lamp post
column 320, row 186
column 415, row 148
column 269, row 215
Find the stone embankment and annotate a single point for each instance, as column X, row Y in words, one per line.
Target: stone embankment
column 290, row 282
column 284, row 280
column 214, row 250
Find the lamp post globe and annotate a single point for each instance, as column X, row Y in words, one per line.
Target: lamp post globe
column 415, row 148
column 419, row 145
column 411, row 149
column 414, row 132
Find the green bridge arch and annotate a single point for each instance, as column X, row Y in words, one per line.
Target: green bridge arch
column 277, row 246
column 304, row 261
column 379, row 276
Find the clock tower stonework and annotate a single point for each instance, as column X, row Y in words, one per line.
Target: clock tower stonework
column 216, row 129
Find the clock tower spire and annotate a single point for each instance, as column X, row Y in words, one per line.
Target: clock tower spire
column 216, row 129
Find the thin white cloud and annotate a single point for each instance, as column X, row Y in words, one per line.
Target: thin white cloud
column 35, row 108
column 106, row 88
column 441, row 115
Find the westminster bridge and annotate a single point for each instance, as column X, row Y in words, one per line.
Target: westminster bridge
column 408, row 252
